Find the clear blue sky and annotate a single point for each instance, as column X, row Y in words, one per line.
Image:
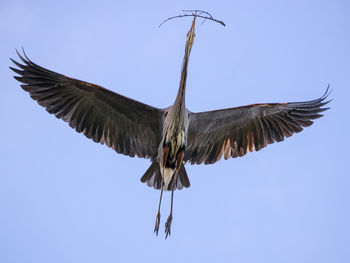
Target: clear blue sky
column 66, row 199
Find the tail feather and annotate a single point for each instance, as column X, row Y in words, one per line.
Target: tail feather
column 153, row 177
column 183, row 177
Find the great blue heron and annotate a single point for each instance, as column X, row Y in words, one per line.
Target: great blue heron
column 169, row 137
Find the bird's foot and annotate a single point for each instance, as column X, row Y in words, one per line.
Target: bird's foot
column 156, row 227
column 168, row 225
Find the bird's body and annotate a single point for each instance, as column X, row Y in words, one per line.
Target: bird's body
column 169, row 137
column 174, row 135
column 173, row 142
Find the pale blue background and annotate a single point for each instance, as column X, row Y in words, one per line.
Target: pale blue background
column 64, row 198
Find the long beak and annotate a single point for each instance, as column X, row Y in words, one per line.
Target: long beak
column 190, row 35
column 193, row 23
column 191, row 32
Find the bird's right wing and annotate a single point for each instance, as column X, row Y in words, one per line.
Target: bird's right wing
column 236, row 131
column 128, row 126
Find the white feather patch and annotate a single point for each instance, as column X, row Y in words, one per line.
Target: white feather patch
column 168, row 174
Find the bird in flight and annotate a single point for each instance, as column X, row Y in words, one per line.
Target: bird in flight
column 169, row 137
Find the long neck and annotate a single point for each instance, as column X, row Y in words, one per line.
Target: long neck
column 179, row 104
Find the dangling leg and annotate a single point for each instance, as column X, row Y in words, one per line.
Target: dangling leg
column 165, row 156
column 156, row 227
column 170, row 217
column 179, row 158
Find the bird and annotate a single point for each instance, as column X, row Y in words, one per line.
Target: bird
column 169, row 137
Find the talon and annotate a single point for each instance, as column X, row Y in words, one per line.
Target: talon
column 168, row 226
column 156, row 227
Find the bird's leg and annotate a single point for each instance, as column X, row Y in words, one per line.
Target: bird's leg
column 179, row 158
column 164, row 158
column 170, row 217
column 156, row 227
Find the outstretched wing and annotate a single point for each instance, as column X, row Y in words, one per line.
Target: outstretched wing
column 236, row 131
column 128, row 126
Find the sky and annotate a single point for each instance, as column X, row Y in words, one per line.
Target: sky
column 64, row 198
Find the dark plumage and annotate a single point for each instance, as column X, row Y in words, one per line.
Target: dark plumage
column 128, row 126
column 169, row 137
column 236, row 131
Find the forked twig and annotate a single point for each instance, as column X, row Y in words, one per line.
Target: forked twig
column 198, row 13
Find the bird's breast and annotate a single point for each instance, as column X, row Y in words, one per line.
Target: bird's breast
column 175, row 142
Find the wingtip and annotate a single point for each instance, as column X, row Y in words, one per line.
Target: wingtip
column 17, row 71
column 13, row 61
column 23, row 57
column 327, row 93
column 17, row 64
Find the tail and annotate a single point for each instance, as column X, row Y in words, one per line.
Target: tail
column 153, row 177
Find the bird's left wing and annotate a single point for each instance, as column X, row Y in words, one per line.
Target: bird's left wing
column 236, row 131
column 128, row 126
